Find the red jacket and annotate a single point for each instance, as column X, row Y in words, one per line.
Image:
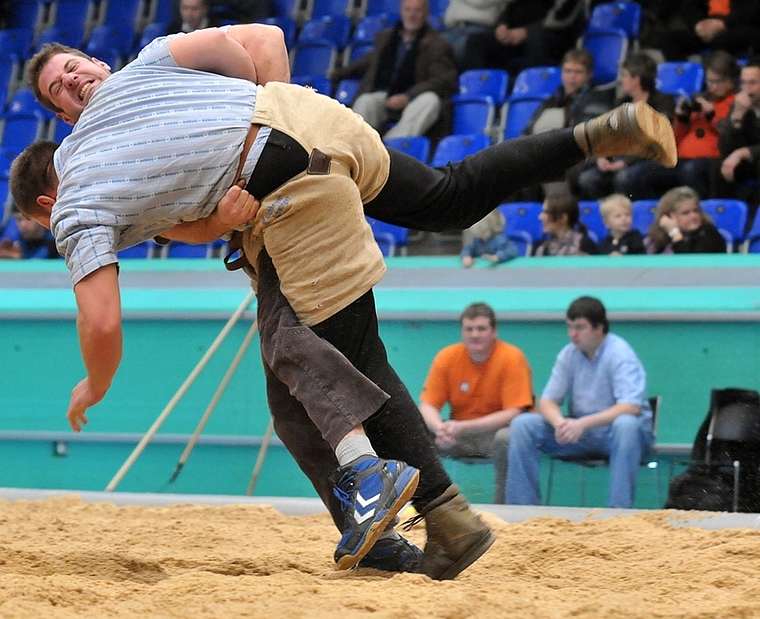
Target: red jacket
column 698, row 137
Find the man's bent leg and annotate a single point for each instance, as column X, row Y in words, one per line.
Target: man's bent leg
column 371, row 107
column 421, row 114
column 499, row 450
column 627, row 445
column 527, row 433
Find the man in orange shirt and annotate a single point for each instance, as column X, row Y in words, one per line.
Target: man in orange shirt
column 486, row 383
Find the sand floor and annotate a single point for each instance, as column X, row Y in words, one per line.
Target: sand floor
column 62, row 557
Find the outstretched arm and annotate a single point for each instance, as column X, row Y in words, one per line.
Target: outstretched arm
column 100, row 339
column 254, row 52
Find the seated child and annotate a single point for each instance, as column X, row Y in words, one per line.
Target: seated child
column 25, row 238
column 488, row 241
column 617, row 215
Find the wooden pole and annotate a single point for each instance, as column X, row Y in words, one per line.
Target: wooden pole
column 180, row 392
column 260, row 459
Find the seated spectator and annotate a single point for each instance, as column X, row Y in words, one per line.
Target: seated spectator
column 739, row 141
column 622, row 240
column 487, row 383
column 575, row 100
column 733, row 26
column 464, row 18
column 681, row 226
column 528, row 33
column 604, row 384
column 407, row 78
column 193, row 15
column 25, row 238
column 568, row 236
column 488, row 241
column 628, row 175
column 698, row 124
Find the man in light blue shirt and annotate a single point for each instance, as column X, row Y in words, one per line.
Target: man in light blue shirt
column 604, row 384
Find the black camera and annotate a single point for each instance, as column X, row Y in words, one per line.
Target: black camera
column 691, row 105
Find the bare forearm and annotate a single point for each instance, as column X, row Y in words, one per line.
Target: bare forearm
column 551, row 411
column 608, row 415
column 431, row 415
column 489, row 423
column 204, row 230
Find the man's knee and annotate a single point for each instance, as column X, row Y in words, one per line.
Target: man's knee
column 625, row 430
column 526, row 426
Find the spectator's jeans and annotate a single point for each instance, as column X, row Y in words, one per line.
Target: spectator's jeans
column 626, row 441
column 417, row 117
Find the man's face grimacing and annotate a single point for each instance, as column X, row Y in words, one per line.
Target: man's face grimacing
column 69, row 81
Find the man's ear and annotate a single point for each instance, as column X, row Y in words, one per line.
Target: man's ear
column 67, row 119
column 101, row 64
column 46, row 202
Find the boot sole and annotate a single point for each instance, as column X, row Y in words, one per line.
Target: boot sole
column 467, row 559
column 659, row 132
column 346, row 562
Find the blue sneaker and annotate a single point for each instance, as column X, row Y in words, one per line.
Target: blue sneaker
column 371, row 492
column 394, row 555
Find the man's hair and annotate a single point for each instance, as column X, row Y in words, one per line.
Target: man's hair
column 724, row 64
column 606, row 205
column 591, row 309
column 641, row 65
column 37, row 64
column 559, row 204
column 476, row 310
column 32, row 175
column 581, row 56
column 753, row 62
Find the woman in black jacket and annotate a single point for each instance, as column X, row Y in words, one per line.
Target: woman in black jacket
column 681, row 226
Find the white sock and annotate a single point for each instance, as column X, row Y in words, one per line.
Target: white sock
column 353, row 447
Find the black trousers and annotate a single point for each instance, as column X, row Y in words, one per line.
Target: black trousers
column 306, row 369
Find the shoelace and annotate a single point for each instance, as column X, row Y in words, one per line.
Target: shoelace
column 413, row 521
column 344, row 490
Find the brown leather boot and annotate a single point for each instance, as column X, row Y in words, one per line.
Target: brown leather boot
column 630, row 129
column 456, row 536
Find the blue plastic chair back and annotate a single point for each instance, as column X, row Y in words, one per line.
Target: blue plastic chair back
column 346, row 90
column 417, row 146
column 335, row 28
column 473, row 115
column 609, row 49
column 519, row 112
column 16, row 41
column 485, row 83
column 536, row 82
column 454, row 148
column 390, row 238
column 680, row 78
column 357, row 49
column 643, row 214
column 318, row 82
column 369, row 26
column 728, row 215
column 591, row 217
column 313, row 58
column 330, row 7
column 523, row 216
column 623, row 15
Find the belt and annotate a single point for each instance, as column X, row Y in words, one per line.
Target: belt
column 281, row 159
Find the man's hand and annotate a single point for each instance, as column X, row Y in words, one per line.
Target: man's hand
column 569, row 431
column 707, row 29
column 728, row 167
column 397, row 102
column 9, row 249
column 82, row 398
column 447, row 434
column 236, row 207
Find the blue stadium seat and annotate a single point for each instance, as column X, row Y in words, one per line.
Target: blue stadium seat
column 623, row 15
column 288, row 26
column 162, row 11
column 346, row 91
column 438, row 7
column 149, row 33
column 110, row 37
column 417, row 146
column 20, row 130
column 318, row 82
column 124, row 13
column 177, row 249
column 609, row 48
column 536, row 82
column 518, row 114
column 73, row 36
column 491, row 83
column 320, row 8
column 355, row 50
column 454, row 148
column 522, row 240
column 29, row 14
column 16, row 41
column 680, row 78
column 378, row 7
column 391, row 239
column 369, row 26
column 59, row 130
column 523, row 216
column 729, row 216
column 473, row 114
column 7, row 155
column 288, row 8
column 643, row 214
column 751, row 242
column 74, row 13
column 10, row 71
column 313, row 58
column 146, row 249
column 592, row 218
column 24, row 102
column 335, row 28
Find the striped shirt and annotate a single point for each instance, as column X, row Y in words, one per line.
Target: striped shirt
column 157, row 145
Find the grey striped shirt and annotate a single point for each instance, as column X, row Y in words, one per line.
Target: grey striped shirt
column 157, row 145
